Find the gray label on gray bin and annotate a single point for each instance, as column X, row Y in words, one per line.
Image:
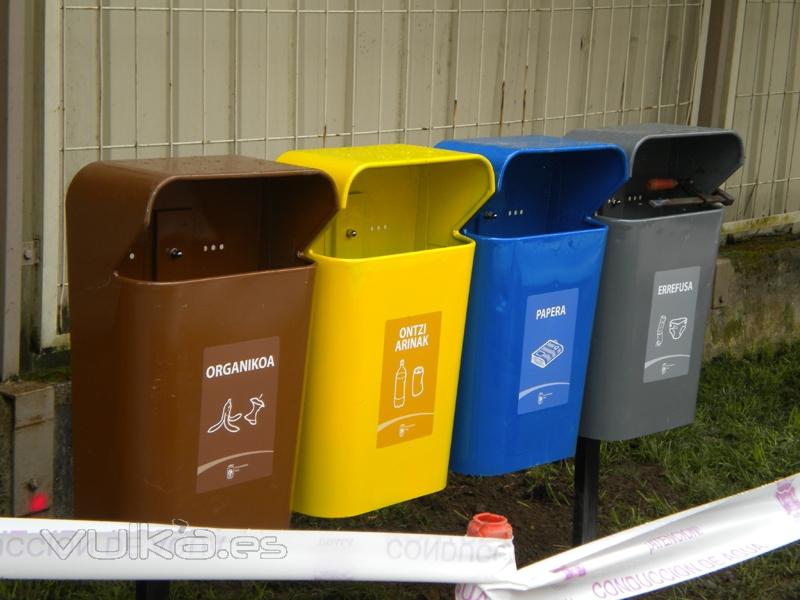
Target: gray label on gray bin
column 672, row 314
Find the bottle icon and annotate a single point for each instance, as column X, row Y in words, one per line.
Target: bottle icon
column 400, row 385
column 417, row 381
column 662, row 320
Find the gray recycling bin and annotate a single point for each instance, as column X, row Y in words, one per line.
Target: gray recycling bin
column 658, row 274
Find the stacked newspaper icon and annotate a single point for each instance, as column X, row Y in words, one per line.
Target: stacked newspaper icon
column 547, row 353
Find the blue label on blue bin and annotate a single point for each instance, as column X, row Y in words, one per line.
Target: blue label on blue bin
column 547, row 350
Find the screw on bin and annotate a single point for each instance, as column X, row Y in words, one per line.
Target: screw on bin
column 351, row 233
column 175, row 253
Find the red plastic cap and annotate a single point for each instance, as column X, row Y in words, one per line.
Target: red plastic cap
column 38, row 502
column 489, row 525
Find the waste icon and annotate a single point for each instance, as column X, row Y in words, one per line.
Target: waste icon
column 226, row 420
column 417, row 381
column 662, row 320
column 400, row 385
column 258, row 404
column 547, row 353
column 677, row 327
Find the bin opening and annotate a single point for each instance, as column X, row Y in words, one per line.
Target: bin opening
column 398, row 209
column 202, row 228
column 541, row 192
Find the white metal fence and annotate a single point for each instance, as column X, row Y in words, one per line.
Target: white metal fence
column 141, row 78
column 144, row 78
column 763, row 105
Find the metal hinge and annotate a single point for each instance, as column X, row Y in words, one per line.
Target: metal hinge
column 30, row 253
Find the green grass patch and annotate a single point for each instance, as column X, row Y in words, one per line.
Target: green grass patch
column 746, row 433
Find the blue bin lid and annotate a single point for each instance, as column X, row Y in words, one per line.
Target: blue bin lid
column 565, row 180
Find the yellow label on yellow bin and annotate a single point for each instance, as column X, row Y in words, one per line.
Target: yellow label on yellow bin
column 408, row 381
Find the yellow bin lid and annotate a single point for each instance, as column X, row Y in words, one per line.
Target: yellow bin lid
column 397, row 198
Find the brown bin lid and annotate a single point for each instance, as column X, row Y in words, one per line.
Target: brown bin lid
column 113, row 200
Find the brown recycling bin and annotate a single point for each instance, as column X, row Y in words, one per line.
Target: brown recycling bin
column 189, row 303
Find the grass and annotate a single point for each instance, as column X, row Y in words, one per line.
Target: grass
column 747, row 432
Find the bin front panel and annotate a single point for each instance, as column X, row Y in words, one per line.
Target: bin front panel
column 512, row 412
column 648, row 336
column 170, row 448
column 350, row 461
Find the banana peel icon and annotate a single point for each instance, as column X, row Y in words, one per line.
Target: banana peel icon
column 227, row 420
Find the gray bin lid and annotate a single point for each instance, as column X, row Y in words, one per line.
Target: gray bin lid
column 703, row 155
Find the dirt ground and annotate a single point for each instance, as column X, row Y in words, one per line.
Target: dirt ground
column 538, row 504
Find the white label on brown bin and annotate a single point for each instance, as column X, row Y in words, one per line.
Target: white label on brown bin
column 237, row 414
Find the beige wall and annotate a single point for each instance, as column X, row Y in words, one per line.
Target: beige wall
column 762, row 104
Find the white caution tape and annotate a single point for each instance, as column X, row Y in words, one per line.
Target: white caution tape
column 662, row 553
column 70, row 549
column 652, row 556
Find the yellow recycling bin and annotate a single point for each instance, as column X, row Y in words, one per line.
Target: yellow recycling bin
column 387, row 325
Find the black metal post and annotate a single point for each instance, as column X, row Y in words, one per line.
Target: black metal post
column 587, row 474
column 152, row 590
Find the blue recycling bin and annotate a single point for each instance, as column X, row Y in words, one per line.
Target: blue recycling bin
column 535, row 277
